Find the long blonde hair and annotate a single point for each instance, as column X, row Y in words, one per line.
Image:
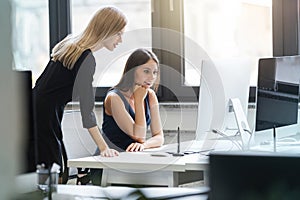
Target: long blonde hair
column 105, row 23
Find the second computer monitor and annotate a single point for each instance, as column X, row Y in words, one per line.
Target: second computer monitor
column 278, row 95
column 222, row 80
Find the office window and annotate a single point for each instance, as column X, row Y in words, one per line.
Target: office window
column 232, row 28
column 138, row 12
column 228, row 29
column 30, row 20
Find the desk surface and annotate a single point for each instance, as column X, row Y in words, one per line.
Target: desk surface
column 158, row 158
column 149, row 160
column 146, row 169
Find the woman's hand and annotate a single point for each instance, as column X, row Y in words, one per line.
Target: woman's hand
column 109, row 152
column 135, row 147
column 140, row 92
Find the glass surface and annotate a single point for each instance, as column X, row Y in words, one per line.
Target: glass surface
column 30, row 21
column 228, row 29
column 277, row 93
column 110, row 65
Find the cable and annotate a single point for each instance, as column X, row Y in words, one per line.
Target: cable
column 202, row 152
column 246, row 130
column 232, row 129
column 216, row 131
column 251, row 136
column 238, row 145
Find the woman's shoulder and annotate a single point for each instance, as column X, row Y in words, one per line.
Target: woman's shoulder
column 112, row 95
column 88, row 55
column 86, row 59
column 112, row 98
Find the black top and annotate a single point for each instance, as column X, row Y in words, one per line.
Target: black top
column 57, row 86
column 111, row 129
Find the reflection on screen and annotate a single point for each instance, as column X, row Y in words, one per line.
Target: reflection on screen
column 278, row 92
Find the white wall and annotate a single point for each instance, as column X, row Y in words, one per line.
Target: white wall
column 172, row 115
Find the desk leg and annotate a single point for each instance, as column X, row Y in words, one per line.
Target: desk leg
column 189, row 176
column 205, row 178
column 175, row 180
column 104, row 178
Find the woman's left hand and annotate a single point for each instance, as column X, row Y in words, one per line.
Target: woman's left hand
column 135, row 147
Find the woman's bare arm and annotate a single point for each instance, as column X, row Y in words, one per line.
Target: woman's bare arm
column 114, row 106
column 100, row 142
column 157, row 138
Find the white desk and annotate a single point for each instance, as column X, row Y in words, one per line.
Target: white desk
column 145, row 169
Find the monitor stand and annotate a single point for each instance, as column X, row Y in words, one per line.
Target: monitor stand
column 242, row 123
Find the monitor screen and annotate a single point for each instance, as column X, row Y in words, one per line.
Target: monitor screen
column 277, row 92
column 275, row 109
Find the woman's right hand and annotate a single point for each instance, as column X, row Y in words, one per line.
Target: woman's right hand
column 109, row 153
column 140, row 92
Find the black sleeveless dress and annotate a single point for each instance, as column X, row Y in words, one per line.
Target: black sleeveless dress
column 111, row 130
column 57, row 86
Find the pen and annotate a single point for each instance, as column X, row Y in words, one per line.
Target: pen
column 178, row 144
column 178, row 140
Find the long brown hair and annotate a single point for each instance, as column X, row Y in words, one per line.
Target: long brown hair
column 137, row 58
column 105, row 23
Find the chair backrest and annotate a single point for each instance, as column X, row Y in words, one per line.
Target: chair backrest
column 77, row 140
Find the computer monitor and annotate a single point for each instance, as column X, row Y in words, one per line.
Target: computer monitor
column 275, row 109
column 26, row 112
column 221, row 81
column 253, row 175
column 277, row 96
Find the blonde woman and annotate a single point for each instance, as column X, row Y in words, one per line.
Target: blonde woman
column 69, row 75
